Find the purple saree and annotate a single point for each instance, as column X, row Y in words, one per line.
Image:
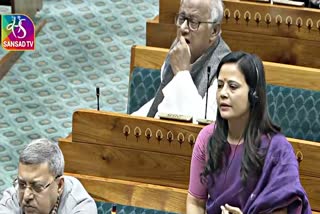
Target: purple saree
column 278, row 186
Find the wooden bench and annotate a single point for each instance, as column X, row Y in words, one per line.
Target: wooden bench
column 276, row 33
column 144, row 162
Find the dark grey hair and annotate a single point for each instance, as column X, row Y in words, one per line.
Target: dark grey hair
column 44, row 151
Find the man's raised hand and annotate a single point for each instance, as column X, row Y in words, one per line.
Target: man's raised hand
column 180, row 56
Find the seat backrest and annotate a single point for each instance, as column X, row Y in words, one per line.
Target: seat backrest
column 142, row 88
column 296, row 111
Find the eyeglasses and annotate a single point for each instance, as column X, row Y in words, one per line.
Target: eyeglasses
column 35, row 188
column 193, row 25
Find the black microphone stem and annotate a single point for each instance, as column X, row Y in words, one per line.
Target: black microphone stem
column 98, row 94
column 208, row 84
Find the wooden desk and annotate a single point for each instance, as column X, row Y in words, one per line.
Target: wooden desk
column 145, row 162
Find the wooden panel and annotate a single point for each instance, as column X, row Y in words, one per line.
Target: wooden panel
column 273, row 13
column 106, row 128
column 275, row 49
column 167, row 10
column 237, row 12
column 141, row 57
column 160, row 34
column 276, row 73
column 130, row 193
column 29, row 9
column 309, row 152
column 158, row 57
column 269, row 48
column 292, row 76
column 154, row 196
column 127, row 164
column 312, row 186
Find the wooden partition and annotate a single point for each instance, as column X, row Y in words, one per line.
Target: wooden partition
column 147, row 57
column 145, row 162
column 140, row 145
column 130, row 160
column 276, row 33
column 30, row 9
column 134, row 193
column 20, row 6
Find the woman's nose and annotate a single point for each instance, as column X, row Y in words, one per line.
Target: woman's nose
column 224, row 92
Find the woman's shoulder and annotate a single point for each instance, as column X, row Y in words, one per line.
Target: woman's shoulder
column 278, row 142
column 204, row 135
column 207, row 131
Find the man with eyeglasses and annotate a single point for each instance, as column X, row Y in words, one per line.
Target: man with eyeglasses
column 41, row 186
column 184, row 76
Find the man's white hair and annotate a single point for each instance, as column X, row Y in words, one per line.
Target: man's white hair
column 216, row 10
column 44, row 151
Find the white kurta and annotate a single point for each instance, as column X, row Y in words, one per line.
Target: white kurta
column 181, row 97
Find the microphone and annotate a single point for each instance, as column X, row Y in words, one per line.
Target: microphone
column 98, row 94
column 208, row 84
column 205, row 121
column 114, row 209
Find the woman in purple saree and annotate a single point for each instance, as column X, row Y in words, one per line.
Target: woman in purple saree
column 242, row 163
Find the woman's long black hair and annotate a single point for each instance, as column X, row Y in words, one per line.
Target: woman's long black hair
column 259, row 122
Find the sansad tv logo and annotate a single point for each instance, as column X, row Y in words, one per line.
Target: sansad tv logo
column 17, row 33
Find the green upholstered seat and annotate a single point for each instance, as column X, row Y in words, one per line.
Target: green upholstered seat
column 143, row 86
column 296, row 111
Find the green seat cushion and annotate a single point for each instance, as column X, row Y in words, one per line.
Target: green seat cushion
column 296, row 111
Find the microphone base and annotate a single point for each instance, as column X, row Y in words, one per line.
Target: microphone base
column 204, row 121
column 176, row 117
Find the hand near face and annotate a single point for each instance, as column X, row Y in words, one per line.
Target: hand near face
column 180, row 56
column 227, row 209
